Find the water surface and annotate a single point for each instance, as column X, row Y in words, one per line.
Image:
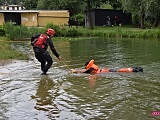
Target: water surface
column 61, row 95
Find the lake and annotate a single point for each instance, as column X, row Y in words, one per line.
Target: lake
column 62, row 95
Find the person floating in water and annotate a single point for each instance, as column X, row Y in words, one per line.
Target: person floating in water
column 92, row 68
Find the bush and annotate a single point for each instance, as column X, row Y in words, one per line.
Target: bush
column 55, row 27
column 72, row 33
column 35, row 30
column 15, row 32
column 80, row 18
column 2, row 32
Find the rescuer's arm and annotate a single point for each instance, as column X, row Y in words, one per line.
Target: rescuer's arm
column 53, row 49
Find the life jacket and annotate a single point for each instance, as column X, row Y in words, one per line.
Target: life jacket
column 41, row 41
column 92, row 65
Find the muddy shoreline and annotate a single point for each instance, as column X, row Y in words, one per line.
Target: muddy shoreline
column 5, row 62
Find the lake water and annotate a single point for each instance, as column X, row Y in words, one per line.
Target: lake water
column 61, row 95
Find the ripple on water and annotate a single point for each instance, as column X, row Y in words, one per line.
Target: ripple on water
column 25, row 94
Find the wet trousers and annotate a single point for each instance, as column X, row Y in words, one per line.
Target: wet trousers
column 44, row 58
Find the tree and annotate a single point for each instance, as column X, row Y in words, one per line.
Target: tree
column 74, row 6
column 89, row 14
column 153, row 11
column 137, row 8
column 30, row 4
column 41, row 5
column 116, row 4
column 144, row 9
column 15, row 2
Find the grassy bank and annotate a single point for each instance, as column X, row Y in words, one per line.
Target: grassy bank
column 121, row 32
column 7, row 52
column 22, row 32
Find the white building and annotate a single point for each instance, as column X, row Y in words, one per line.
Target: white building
column 12, row 7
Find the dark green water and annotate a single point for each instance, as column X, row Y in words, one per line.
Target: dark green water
column 60, row 95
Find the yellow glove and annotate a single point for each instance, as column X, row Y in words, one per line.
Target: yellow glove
column 73, row 71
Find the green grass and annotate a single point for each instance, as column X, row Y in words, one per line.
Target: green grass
column 6, row 52
column 123, row 31
column 22, row 32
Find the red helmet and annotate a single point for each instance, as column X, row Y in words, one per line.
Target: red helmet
column 50, row 31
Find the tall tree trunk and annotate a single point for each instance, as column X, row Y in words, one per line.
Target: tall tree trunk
column 156, row 21
column 142, row 21
column 142, row 16
column 89, row 14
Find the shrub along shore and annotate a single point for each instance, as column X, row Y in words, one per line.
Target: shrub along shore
column 14, row 32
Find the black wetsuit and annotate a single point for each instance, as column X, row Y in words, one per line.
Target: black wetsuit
column 42, row 55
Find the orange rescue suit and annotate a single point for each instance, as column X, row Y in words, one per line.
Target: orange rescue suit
column 96, row 70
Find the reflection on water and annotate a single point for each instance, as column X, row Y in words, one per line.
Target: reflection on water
column 45, row 97
column 26, row 95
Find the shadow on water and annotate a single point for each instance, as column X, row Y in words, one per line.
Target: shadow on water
column 27, row 95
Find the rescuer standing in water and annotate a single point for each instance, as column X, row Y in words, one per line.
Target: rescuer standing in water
column 40, row 43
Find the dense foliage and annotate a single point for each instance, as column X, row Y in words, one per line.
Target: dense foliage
column 146, row 13
column 14, row 32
